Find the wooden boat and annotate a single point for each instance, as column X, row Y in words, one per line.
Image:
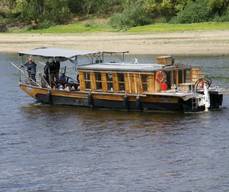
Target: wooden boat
column 164, row 86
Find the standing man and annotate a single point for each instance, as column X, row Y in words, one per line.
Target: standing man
column 47, row 72
column 31, row 68
column 57, row 70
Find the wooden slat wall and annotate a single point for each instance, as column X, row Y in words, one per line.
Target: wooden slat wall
column 104, row 82
column 93, row 81
column 151, row 83
column 127, row 83
column 82, row 82
column 138, row 83
column 132, row 83
column 115, row 82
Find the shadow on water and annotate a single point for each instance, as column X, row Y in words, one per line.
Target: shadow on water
column 73, row 117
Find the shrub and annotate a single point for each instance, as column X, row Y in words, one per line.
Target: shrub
column 45, row 24
column 3, row 27
column 194, row 12
column 56, row 11
column 130, row 17
column 223, row 18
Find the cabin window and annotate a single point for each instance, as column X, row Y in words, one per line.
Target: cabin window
column 187, row 76
column 121, row 82
column 168, row 81
column 144, row 82
column 109, row 81
column 98, row 79
column 180, row 76
column 87, row 80
column 175, row 77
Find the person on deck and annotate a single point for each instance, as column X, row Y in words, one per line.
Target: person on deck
column 63, row 80
column 47, row 71
column 56, row 70
column 31, row 68
column 50, row 72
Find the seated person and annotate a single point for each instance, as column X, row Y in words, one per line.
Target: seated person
column 62, row 80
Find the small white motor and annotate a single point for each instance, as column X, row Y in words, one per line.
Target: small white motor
column 206, row 97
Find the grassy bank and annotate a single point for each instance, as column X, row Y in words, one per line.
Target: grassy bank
column 181, row 27
column 70, row 28
column 80, row 27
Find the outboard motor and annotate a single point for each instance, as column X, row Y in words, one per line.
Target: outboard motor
column 202, row 87
column 206, row 97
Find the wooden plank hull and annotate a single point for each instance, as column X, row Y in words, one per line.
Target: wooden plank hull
column 109, row 100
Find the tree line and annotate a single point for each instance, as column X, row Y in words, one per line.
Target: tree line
column 121, row 13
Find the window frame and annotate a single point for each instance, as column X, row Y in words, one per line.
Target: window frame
column 121, row 82
column 98, row 81
column 87, row 80
column 109, row 82
column 144, row 83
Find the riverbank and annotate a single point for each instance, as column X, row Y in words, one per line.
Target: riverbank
column 173, row 43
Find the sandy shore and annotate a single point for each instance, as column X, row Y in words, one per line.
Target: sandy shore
column 179, row 43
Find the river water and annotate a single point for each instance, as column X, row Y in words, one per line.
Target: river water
column 51, row 148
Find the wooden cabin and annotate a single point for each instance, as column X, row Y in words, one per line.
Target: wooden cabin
column 136, row 79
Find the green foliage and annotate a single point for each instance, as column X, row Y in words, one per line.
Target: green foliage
column 132, row 16
column 218, row 6
column 39, row 11
column 194, row 12
column 223, row 18
column 161, row 8
column 44, row 24
column 29, row 9
column 56, row 11
column 98, row 7
column 123, row 14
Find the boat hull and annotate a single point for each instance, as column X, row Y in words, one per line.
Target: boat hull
column 115, row 101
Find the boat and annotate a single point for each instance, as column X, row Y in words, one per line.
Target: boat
column 102, row 82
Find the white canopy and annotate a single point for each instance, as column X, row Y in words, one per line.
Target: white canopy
column 56, row 52
column 122, row 67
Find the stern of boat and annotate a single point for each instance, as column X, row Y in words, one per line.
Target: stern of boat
column 198, row 102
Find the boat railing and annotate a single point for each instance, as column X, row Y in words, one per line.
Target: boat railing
column 43, row 81
column 24, row 77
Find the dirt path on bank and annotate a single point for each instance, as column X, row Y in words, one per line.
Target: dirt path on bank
column 179, row 43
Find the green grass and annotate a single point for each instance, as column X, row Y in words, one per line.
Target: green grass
column 95, row 27
column 181, row 27
column 70, row 28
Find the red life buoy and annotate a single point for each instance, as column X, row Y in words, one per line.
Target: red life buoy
column 160, row 76
column 164, row 86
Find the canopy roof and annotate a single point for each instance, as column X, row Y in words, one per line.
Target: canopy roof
column 56, row 52
column 122, row 67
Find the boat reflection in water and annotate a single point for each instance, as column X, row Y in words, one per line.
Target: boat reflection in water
column 103, row 83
